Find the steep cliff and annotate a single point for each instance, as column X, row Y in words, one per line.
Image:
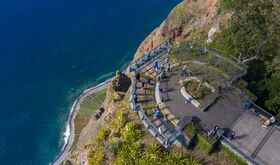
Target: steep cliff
column 190, row 20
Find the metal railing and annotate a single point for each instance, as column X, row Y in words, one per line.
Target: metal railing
column 237, row 151
column 151, row 128
column 160, row 49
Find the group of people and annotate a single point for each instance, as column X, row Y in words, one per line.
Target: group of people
column 156, row 66
column 215, row 131
column 158, row 116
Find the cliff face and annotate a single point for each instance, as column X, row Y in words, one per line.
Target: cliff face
column 188, row 21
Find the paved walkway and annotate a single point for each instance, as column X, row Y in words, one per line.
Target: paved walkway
column 260, row 145
column 227, row 110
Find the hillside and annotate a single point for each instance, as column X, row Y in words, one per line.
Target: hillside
column 248, row 31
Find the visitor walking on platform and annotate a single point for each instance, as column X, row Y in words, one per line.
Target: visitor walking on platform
column 160, row 130
column 149, row 80
column 137, row 76
column 184, row 70
column 160, row 89
column 168, row 67
column 189, row 100
column 142, row 85
column 135, row 98
column 216, row 128
column 232, row 135
column 157, row 108
column 157, row 114
column 148, row 55
column 165, row 118
column 156, row 64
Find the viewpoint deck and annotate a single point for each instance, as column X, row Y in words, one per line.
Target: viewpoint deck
column 254, row 143
column 228, row 109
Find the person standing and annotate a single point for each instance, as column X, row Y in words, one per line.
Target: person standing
column 160, row 130
column 149, row 80
column 142, row 85
column 135, row 98
column 148, row 55
column 232, row 135
column 160, row 89
column 155, row 64
column 165, row 118
column 137, row 76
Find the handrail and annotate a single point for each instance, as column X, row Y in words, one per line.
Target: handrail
column 263, row 111
column 159, row 45
column 141, row 60
column 164, row 139
column 237, row 151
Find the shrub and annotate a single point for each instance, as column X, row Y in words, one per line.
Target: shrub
column 128, row 153
column 112, row 147
column 103, row 134
column 192, row 87
column 191, row 129
column 192, row 161
column 233, row 157
column 204, row 145
column 151, row 154
column 120, row 119
column 130, row 132
column 96, row 156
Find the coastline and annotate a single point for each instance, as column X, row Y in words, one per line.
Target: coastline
column 69, row 131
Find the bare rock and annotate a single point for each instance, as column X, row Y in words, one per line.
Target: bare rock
column 120, row 85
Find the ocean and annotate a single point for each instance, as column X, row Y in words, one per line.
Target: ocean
column 50, row 50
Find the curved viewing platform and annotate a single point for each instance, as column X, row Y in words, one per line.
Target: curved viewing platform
column 156, row 95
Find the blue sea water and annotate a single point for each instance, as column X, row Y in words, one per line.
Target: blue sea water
column 52, row 49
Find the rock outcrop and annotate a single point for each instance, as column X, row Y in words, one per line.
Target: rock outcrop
column 120, row 85
column 188, row 21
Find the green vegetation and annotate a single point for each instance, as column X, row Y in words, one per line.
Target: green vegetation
column 192, row 87
column 233, row 157
column 191, row 129
column 252, row 35
column 206, row 144
column 130, row 132
column 203, row 144
column 182, row 54
column 103, row 134
column 149, row 91
column 180, row 15
column 119, row 143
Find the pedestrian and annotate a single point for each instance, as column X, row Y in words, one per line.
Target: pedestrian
column 184, row 70
column 149, row 80
column 160, row 130
column 135, row 98
column 216, row 128
column 148, row 55
column 165, row 118
column 189, row 100
column 157, row 113
column 158, row 77
column 143, row 85
column 155, row 64
column 137, row 76
column 160, row 89
column 168, row 67
column 232, row 135
column 157, row 108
